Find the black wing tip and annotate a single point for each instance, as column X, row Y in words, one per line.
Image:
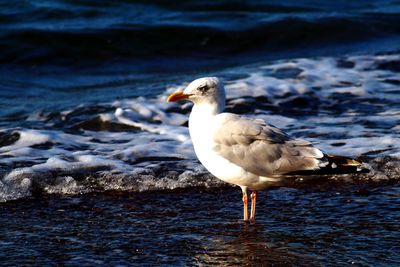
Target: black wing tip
column 333, row 164
column 342, row 165
column 343, row 161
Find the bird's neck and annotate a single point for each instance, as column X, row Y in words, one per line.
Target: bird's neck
column 206, row 109
column 201, row 117
column 201, row 121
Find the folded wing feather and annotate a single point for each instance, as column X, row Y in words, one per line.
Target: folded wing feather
column 261, row 148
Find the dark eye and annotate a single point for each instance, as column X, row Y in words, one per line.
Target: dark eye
column 203, row 89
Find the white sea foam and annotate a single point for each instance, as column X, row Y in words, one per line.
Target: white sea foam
column 156, row 152
column 27, row 138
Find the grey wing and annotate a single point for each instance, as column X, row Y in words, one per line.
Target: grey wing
column 261, row 148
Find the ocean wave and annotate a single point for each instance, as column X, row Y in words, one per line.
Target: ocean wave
column 121, row 41
column 348, row 105
column 57, row 176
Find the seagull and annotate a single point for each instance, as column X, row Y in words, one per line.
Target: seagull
column 245, row 151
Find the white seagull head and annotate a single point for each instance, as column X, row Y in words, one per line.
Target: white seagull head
column 203, row 91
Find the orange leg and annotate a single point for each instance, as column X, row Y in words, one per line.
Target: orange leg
column 245, row 204
column 253, row 205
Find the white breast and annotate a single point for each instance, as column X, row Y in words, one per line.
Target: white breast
column 201, row 128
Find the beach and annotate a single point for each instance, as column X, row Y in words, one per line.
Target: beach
column 96, row 168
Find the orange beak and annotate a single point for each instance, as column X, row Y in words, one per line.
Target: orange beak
column 177, row 96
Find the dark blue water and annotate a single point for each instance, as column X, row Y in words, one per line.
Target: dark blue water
column 91, row 51
column 315, row 226
column 91, row 172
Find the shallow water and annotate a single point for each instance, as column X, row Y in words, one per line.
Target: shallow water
column 313, row 225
